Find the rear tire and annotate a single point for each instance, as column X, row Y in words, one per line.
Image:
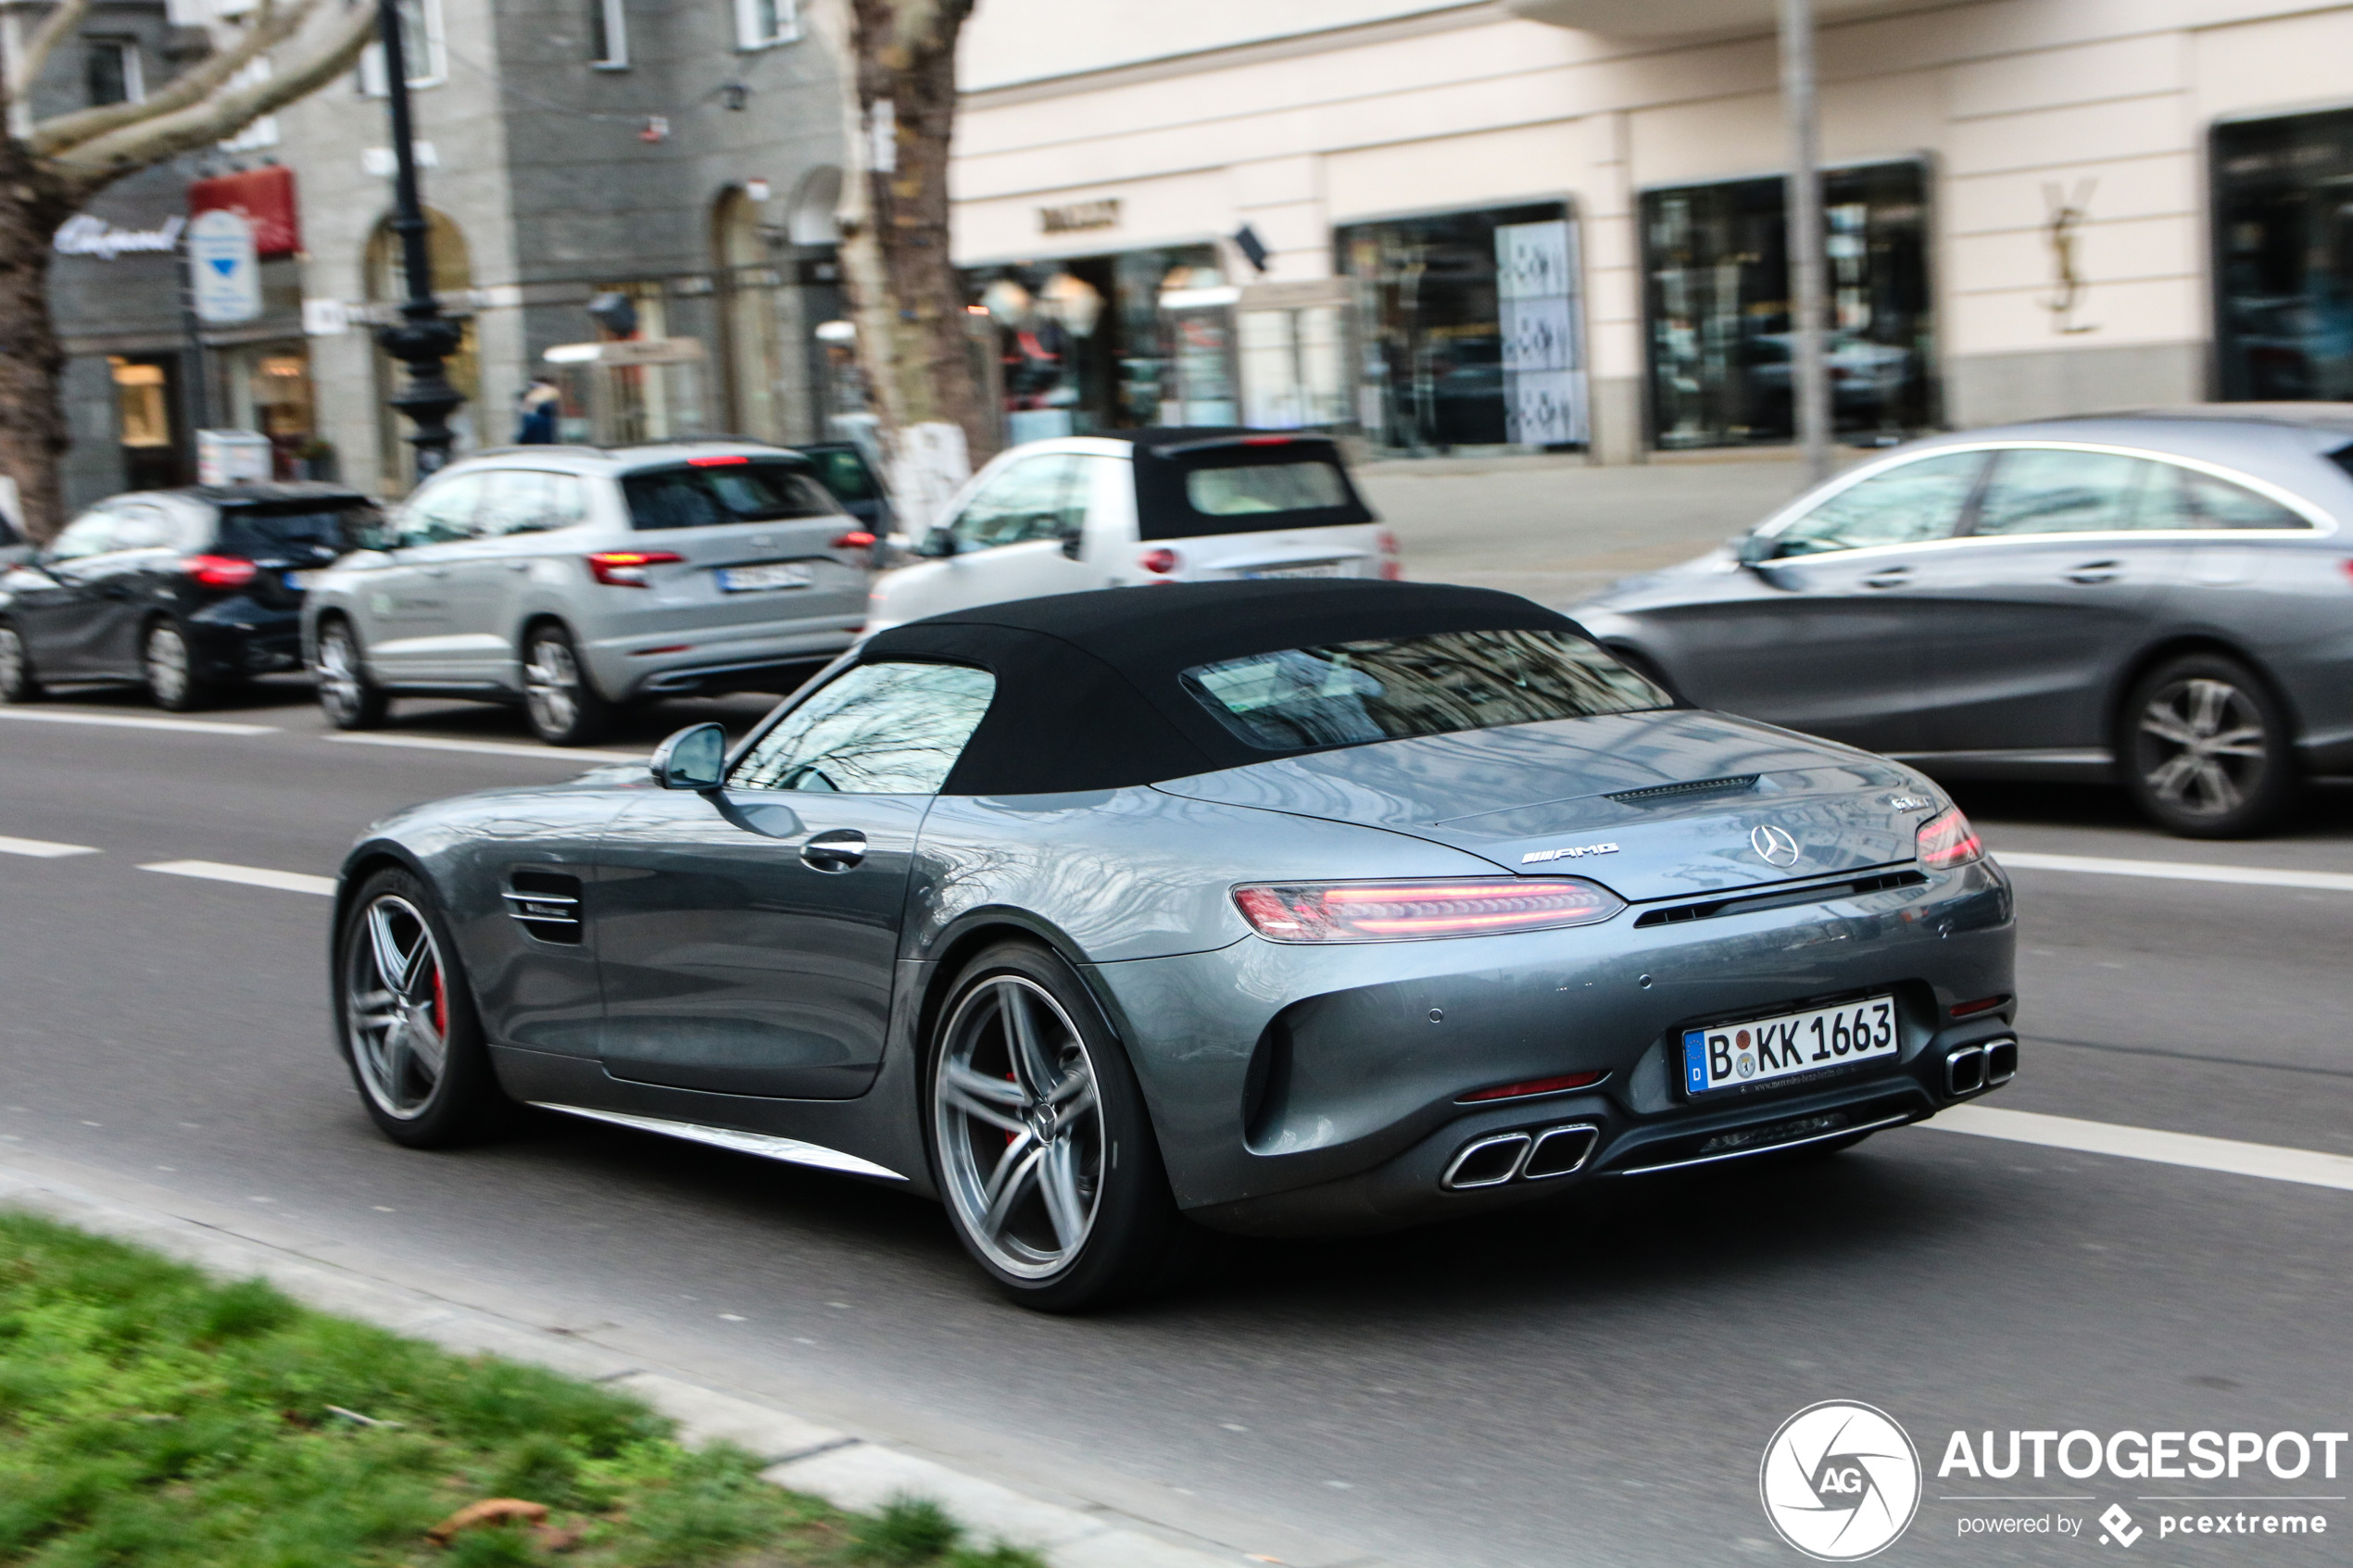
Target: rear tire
column 168, row 664
column 18, row 682
column 1044, row 1151
column 565, row 707
column 349, row 697
column 405, row 1018
column 2207, row 750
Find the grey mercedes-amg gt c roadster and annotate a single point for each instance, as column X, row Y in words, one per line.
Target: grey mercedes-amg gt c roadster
column 1273, row 907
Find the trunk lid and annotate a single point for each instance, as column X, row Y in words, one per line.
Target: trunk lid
column 1663, row 804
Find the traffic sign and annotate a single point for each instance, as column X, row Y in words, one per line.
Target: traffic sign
column 225, row 276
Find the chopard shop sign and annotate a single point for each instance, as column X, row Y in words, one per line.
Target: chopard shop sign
column 1077, row 217
column 85, row 235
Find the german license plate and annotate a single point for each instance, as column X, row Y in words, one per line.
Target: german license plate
column 1757, row 1050
column 1306, row 569
column 764, row 578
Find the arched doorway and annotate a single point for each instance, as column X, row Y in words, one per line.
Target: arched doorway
column 749, row 336
column 388, row 283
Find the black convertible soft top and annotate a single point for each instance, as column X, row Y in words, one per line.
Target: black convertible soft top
column 1087, row 694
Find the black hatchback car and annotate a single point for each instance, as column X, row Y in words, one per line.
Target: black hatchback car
column 181, row 591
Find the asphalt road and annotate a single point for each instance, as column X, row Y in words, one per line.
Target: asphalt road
column 1591, row 1385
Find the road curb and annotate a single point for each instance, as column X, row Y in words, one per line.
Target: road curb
column 845, row 1468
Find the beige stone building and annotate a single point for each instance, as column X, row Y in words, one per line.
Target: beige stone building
column 1521, row 224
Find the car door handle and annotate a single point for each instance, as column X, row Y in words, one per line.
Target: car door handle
column 836, row 851
column 1889, row 577
column 436, row 571
column 517, row 566
column 2096, row 572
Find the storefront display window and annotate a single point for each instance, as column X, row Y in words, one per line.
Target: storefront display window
column 2284, row 264
column 143, row 397
column 269, row 392
column 1472, row 331
column 1717, row 262
column 1085, row 343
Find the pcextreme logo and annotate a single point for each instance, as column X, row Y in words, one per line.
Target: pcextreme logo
column 1841, row 1481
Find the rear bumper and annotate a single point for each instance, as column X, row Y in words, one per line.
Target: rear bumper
column 681, row 663
column 1305, row 1090
column 237, row 636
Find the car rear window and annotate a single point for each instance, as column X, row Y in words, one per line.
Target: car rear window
column 1352, row 693
column 273, row 530
column 711, row 494
column 843, row 472
column 1253, row 485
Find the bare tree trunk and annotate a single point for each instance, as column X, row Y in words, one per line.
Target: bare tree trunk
column 33, row 427
column 912, row 337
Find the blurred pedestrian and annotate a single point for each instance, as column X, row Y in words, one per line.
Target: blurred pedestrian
column 536, row 413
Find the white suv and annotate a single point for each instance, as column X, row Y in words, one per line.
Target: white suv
column 570, row 580
column 1139, row 506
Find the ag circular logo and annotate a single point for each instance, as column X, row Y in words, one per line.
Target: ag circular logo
column 1841, row 1481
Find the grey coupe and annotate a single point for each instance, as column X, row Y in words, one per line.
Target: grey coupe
column 1113, row 919
column 2157, row 597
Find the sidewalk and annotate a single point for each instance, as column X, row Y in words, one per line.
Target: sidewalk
column 1558, row 530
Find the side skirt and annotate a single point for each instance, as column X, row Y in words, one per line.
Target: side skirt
column 768, row 1146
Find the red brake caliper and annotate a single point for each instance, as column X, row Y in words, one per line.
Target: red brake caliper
column 440, row 1004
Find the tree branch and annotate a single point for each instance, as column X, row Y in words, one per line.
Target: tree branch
column 108, row 158
column 45, row 38
column 268, row 29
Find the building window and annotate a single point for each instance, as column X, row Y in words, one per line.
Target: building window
column 760, row 23
column 420, row 40
column 111, row 68
column 2283, row 257
column 608, row 35
column 1472, row 336
column 1715, row 262
column 1095, row 342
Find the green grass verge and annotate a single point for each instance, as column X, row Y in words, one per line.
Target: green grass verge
column 151, row 1417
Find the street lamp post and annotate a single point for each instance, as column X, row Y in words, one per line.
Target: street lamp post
column 423, row 338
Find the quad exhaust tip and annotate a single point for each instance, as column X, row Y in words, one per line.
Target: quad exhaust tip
column 1502, row 1158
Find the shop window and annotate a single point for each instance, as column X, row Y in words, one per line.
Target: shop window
column 1471, row 329
column 608, row 35
column 110, row 68
column 1715, row 261
column 145, row 394
column 2283, row 257
column 760, row 23
column 1118, row 341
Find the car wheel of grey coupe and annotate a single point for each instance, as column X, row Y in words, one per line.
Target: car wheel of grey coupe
column 1046, row 1155
column 349, row 698
column 169, row 665
column 566, row 710
column 2207, row 751
column 407, row 1021
column 17, row 682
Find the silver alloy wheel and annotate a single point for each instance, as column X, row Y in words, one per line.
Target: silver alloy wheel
column 551, row 685
column 397, row 1007
column 12, row 662
column 1020, row 1125
column 339, row 689
column 2202, row 746
column 167, row 663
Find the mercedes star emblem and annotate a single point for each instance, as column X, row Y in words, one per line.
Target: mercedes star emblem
column 1777, row 847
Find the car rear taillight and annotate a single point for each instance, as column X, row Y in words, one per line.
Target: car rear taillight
column 1405, row 912
column 1267, row 440
column 1160, row 562
column 626, row 569
column 218, row 572
column 856, row 539
column 1392, row 568
column 1946, row 840
column 727, row 461
column 1532, row 1087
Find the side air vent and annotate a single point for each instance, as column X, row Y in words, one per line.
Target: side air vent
column 1777, row 897
column 545, row 904
column 1738, row 785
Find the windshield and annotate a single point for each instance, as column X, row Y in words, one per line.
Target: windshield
column 266, row 531
column 1348, row 693
column 710, row 495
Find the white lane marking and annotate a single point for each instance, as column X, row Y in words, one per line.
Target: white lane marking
column 2178, row 870
column 251, row 876
column 136, row 721
column 42, row 849
column 2271, row 1161
column 492, row 749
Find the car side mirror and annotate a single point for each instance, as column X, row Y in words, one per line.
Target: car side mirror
column 1754, row 549
column 1071, row 543
column 938, row 543
column 695, row 758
